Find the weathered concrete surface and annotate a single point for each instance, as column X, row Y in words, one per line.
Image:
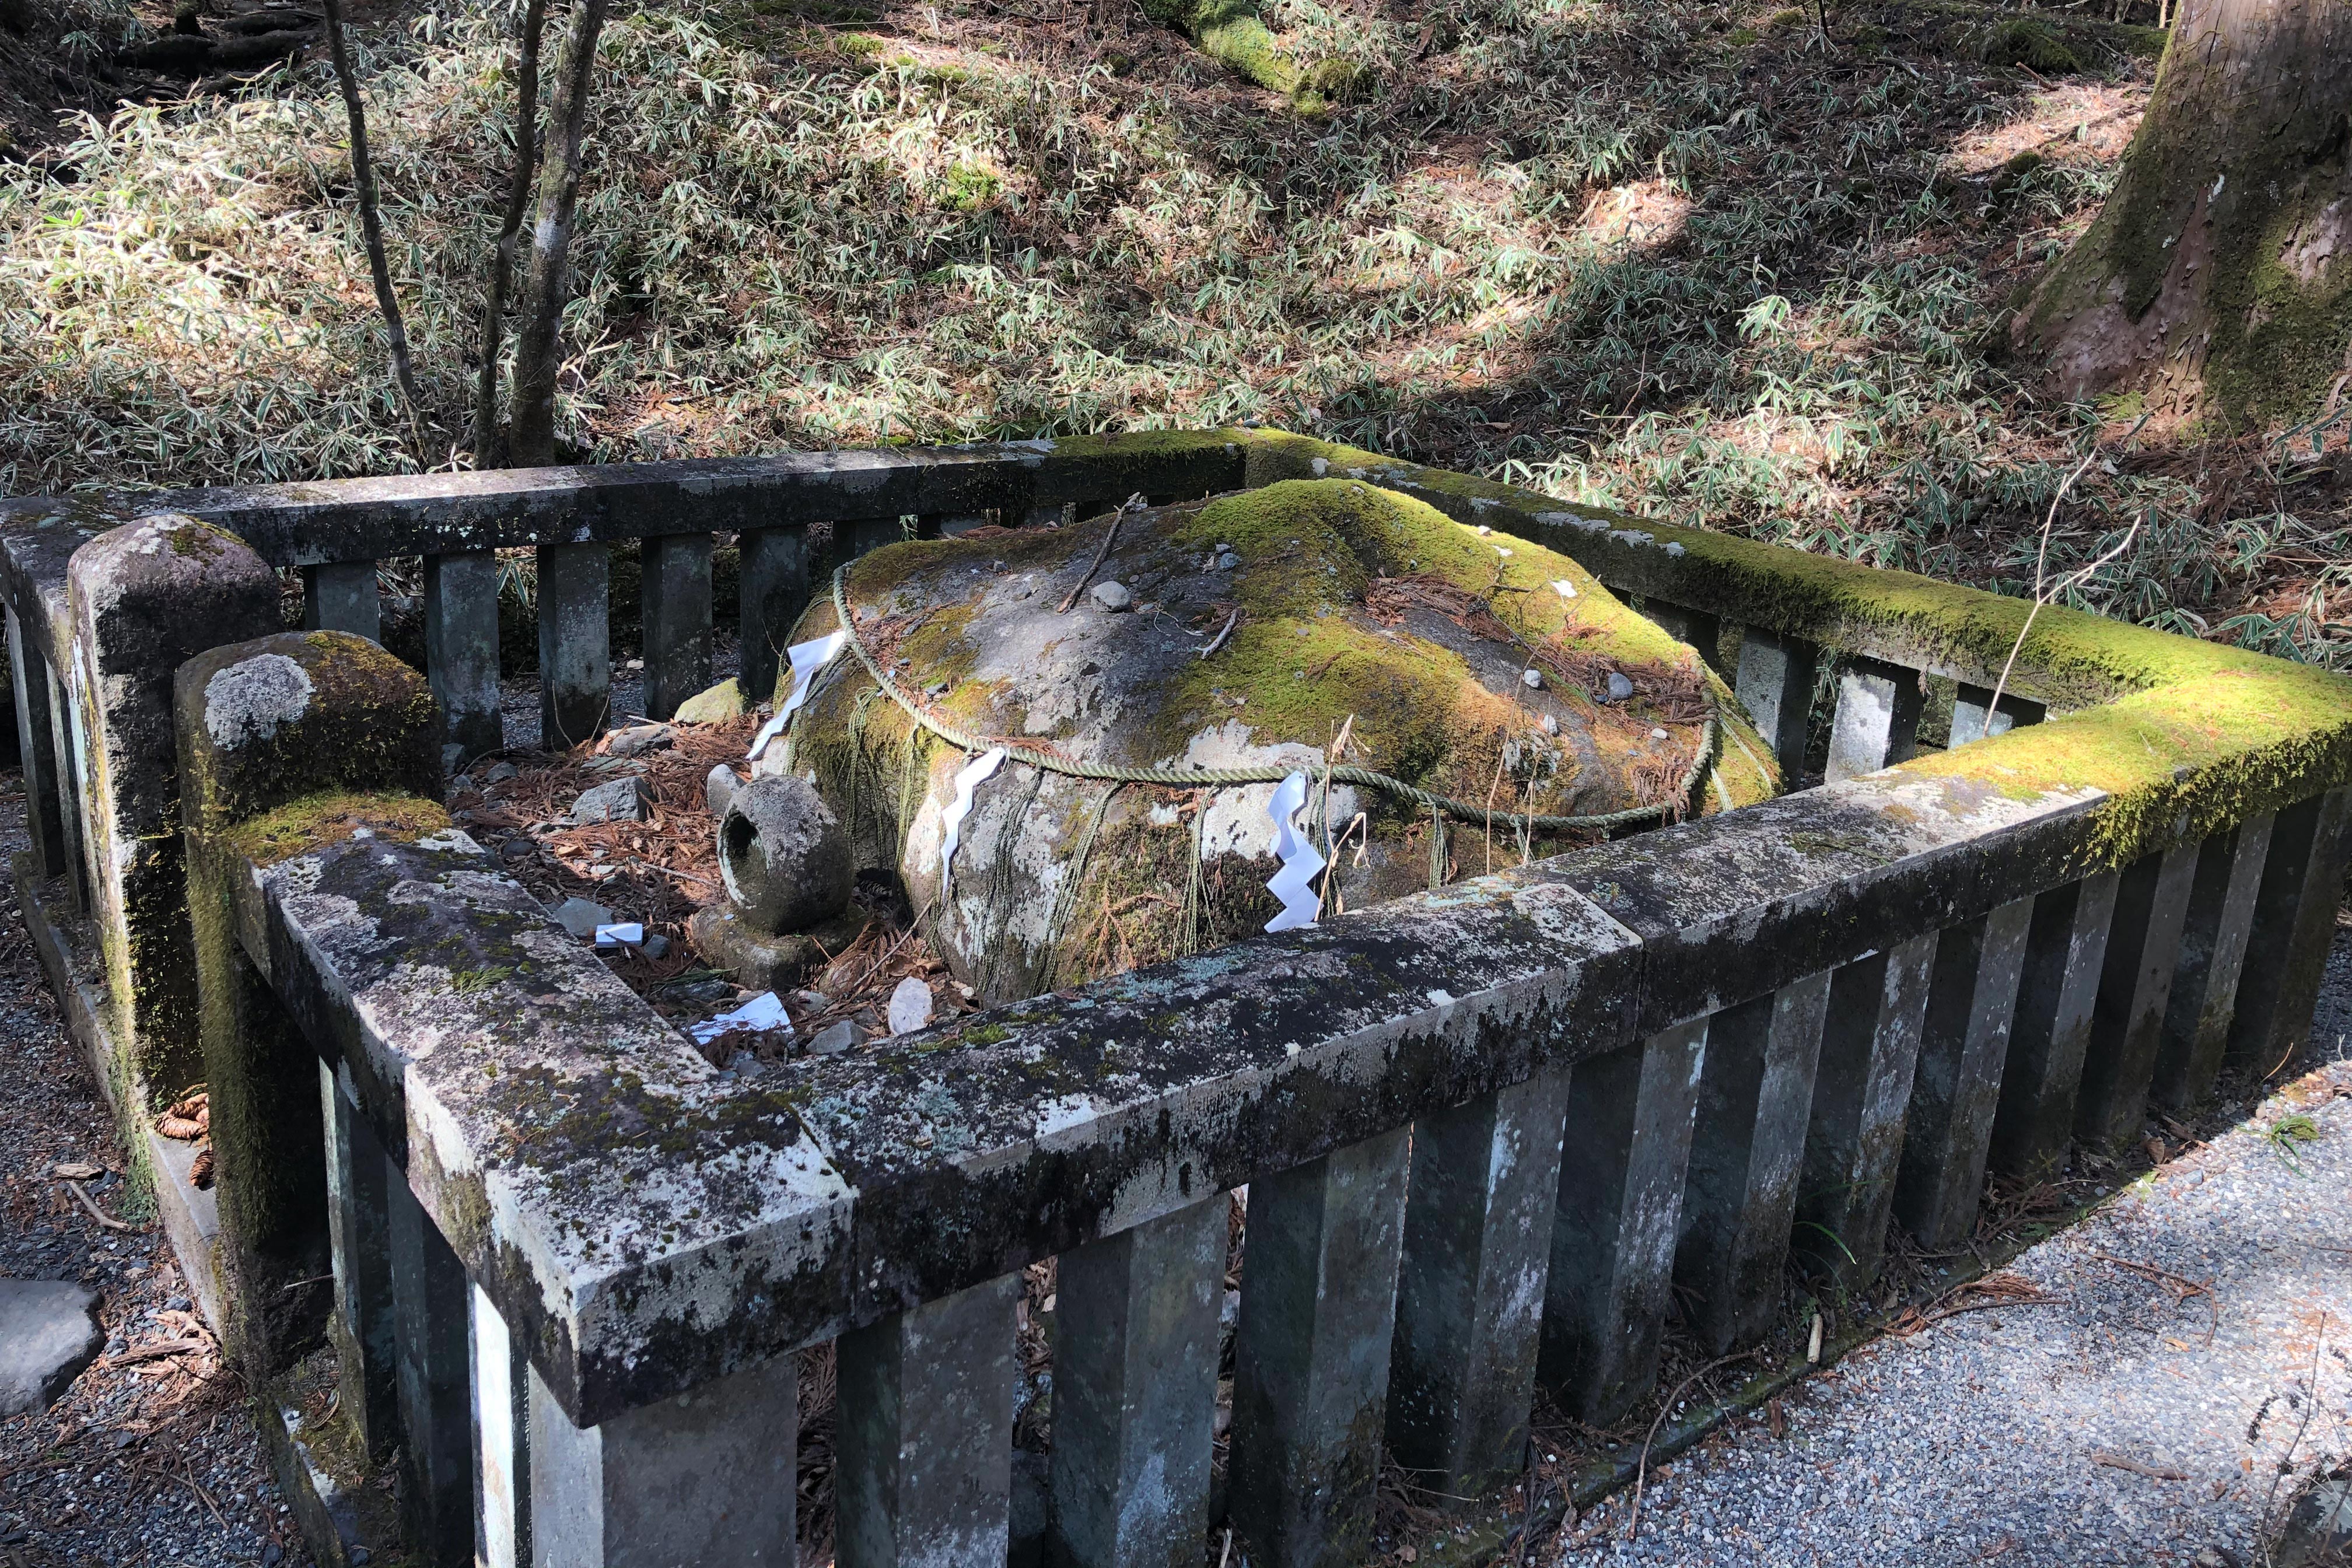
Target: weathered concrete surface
column 427, row 514
column 925, row 1441
column 36, row 749
column 1135, row 1393
column 775, row 589
column 2204, row 999
column 705, row 1480
column 1311, row 1354
column 1876, row 723
column 1748, row 1148
column 2294, row 916
column 761, row 961
column 342, row 596
column 2135, row 989
column 145, row 598
column 461, row 647
column 575, row 650
column 48, row 1332
column 1470, row 1287
column 2065, row 950
column 1613, row 1231
column 676, row 611
column 1956, row 1088
column 1854, row 1139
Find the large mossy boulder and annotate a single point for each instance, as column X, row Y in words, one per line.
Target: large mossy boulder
column 1257, row 630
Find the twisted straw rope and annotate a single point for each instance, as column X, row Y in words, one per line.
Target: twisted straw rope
column 1199, row 778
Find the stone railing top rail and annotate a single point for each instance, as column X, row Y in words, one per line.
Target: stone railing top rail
column 647, row 1226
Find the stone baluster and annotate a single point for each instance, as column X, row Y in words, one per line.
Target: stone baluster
column 502, row 1470
column 1877, row 719
column 857, row 536
column 1477, row 1253
column 575, row 647
column 363, row 1327
column 676, row 601
column 2065, row 950
column 1622, row 1162
column 2295, row 918
column 1135, row 1392
column 1748, row 1150
column 461, row 650
column 37, row 749
column 1971, row 1001
column 2134, row 987
column 1775, row 686
column 776, row 586
column 707, row 1477
column 924, row 1448
column 342, row 596
column 78, row 818
column 2204, row 999
column 144, row 599
column 1311, row 1355
column 1700, row 628
column 1975, row 717
column 1854, row 1139
column 433, row 1372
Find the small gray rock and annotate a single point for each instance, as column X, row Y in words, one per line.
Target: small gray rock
column 784, row 855
column 656, row 945
column 638, row 739
column 463, row 784
column 910, row 1006
column 835, row 1038
column 720, row 788
column 580, row 918
column 48, row 1332
column 500, row 772
column 1620, row 689
column 1112, row 596
column 622, row 800
column 1532, row 678
column 1226, row 560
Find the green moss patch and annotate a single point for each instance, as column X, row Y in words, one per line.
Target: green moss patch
column 319, row 820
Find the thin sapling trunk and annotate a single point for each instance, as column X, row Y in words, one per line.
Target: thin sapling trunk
column 502, row 260
column 538, row 342
column 372, row 224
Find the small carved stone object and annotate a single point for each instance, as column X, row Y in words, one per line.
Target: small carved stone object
column 784, row 855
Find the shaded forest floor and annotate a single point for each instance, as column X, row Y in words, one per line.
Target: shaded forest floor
column 1684, row 258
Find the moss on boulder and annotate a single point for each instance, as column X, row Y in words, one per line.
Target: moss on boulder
column 1262, row 626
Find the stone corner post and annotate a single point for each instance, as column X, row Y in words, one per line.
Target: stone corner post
column 142, row 599
column 283, row 743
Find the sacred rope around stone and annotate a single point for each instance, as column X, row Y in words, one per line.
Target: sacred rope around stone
column 1210, row 778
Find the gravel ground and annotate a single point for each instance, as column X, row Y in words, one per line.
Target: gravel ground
column 145, row 1463
column 2139, row 1418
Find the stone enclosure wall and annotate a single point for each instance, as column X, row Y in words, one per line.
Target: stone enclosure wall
column 1484, row 1130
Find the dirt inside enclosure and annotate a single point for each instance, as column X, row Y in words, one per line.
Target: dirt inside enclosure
column 656, row 871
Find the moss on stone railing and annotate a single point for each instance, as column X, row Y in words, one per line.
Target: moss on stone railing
column 2184, row 736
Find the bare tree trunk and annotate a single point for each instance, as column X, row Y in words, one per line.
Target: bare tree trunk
column 372, row 227
column 538, row 345
column 2219, row 276
column 494, row 306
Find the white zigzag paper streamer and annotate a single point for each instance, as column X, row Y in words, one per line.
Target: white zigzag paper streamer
column 952, row 822
column 807, row 658
column 1301, row 864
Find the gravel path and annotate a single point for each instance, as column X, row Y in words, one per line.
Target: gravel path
column 2135, row 1420
column 142, row 1464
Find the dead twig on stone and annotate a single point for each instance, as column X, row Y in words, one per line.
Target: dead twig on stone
column 2118, row 1462
column 1095, row 565
column 2181, row 1289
